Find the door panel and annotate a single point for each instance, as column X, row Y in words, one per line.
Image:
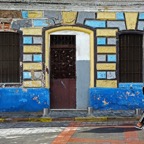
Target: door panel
column 62, row 66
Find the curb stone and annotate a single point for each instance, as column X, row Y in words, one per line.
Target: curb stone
column 76, row 119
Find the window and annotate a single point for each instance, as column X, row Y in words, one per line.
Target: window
column 9, row 57
column 63, row 56
column 130, row 57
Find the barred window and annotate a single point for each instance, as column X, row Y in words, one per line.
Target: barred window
column 9, row 57
column 130, row 57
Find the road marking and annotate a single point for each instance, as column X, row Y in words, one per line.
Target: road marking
column 65, row 135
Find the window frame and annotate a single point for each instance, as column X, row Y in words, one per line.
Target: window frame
column 17, row 84
column 117, row 46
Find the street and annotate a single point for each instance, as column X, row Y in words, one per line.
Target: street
column 64, row 132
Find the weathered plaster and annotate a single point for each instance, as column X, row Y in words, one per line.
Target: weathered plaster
column 32, row 31
column 116, row 98
column 32, row 66
column 32, row 84
column 32, row 49
column 106, row 32
column 106, row 66
column 106, row 49
column 22, row 99
column 131, row 20
column 35, row 14
column 106, row 15
column 106, row 83
column 83, row 15
column 69, row 18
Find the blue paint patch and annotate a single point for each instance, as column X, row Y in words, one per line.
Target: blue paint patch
column 131, row 85
column 116, row 99
column 27, row 40
column 95, row 23
column 111, row 58
column 25, row 14
column 37, row 58
column 119, row 16
column 141, row 16
column 26, row 75
column 101, row 74
column 101, row 41
column 27, row 100
column 40, row 23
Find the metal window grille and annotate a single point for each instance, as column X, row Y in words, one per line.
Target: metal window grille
column 130, row 57
column 62, row 56
column 9, row 57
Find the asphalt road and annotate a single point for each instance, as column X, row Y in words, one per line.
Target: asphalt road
column 71, row 133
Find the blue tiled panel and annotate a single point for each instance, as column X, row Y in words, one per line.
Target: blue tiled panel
column 25, row 14
column 24, row 100
column 95, row 23
column 26, row 75
column 119, row 16
column 101, row 41
column 116, row 98
column 101, row 75
column 37, row 57
column 141, row 16
column 111, row 58
column 27, row 40
column 40, row 22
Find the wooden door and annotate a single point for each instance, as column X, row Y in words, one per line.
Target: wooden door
column 62, row 72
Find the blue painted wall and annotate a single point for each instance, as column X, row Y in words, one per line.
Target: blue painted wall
column 22, row 99
column 123, row 98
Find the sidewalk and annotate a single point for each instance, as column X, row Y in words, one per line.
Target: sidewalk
column 70, row 115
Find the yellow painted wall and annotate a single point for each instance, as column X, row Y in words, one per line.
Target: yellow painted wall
column 106, row 32
column 106, row 15
column 131, row 20
column 32, row 66
column 32, row 31
column 35, row 14
column 32, row 83
column 106, row 83
column 32, row 49
column 106, row 49
column 69, row 18
column 106, row 66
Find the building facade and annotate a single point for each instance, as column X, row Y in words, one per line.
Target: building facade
column 71, row 55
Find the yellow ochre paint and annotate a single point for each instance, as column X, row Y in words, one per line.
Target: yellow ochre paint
column 106, row 83
column 106, row 66
column 106, row 49
column 32, row 66
column 131, row 20
column 32, row 31
column 69, row 17
column 32, row 49
column 35, row 14
column 106, row 15
column 106, row 32
column 32, row 83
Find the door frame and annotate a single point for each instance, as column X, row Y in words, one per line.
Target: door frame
column 46, row 49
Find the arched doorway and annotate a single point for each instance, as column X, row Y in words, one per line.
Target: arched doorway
column 79, row 44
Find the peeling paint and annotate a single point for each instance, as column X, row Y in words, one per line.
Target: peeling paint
column 20, row 99
column 116, row 98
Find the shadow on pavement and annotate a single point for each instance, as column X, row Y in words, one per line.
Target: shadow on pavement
column 111, row 130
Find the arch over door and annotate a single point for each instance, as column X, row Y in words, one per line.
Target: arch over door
column 82, row 35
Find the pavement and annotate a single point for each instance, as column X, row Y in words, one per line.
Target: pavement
column 71, row 132
column 71, row 127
